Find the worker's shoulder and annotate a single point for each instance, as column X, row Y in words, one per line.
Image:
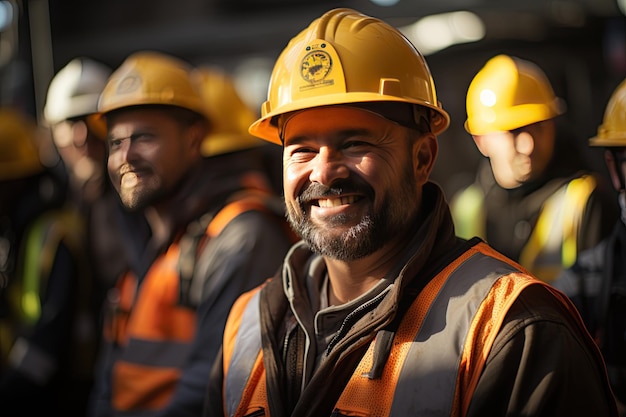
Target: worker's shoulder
column 537, row 308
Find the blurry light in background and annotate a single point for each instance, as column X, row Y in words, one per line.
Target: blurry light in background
column 622, row 6
column 8, row 31
column 6, row 15
column 567, row 13
column 385, row 2
column 436, row 32
column 251, row 78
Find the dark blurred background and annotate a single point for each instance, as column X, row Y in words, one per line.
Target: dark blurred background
column 581, row 45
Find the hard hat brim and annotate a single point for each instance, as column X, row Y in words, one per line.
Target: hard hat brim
column 266, row 129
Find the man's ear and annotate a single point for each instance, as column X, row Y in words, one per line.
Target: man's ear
column 481, row 144
column 425, row 154
column 198, row 133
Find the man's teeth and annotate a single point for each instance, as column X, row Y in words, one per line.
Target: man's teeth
column 334, row 202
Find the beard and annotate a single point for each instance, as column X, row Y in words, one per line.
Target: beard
column 391, row 219
column 137, row 201
column 138, row 198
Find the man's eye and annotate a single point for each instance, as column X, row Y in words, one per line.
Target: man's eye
column 114, row 143
column 354, row 144
column 142, row 136
column 301, row 150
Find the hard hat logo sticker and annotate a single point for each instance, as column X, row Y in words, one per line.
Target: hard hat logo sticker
column 129, row 84
column 315, row 67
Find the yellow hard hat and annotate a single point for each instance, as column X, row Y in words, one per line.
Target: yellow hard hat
column 149, row 78
column 19, row 150
column 508, row 93
column 230, row 116
column 612, row 131
column 347, row 57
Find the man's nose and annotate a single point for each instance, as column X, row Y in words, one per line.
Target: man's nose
column 524, row 143
column 328, row 166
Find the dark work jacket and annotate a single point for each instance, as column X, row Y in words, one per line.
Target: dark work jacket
column 526, row 372
column 597, row 285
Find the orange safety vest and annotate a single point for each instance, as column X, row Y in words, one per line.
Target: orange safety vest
column 155, row 323
column 444, row 338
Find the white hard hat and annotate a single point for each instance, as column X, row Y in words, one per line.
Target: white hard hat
column 75, row 89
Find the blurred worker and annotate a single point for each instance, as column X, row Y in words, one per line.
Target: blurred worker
column 114, row 235
column 46, row 339
column 111, row 235
column 532, row 200
column 217, row 230
column 71, row 103
column 381, row 310
column 597, row 281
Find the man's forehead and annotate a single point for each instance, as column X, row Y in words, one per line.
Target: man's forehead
column 360, row 115
column 337, row 114
column 332, row 118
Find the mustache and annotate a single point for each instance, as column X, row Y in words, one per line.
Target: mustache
column 315, row 191
column 126, row 168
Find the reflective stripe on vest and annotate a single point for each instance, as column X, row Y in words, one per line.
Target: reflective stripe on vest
column 552, row 245
column 42, row 243
column 465, row 303
column 241, row 339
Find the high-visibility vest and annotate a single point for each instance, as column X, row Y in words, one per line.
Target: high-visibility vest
column 553, row 243
column 36, row 259
column 155, row 321
column 449, row 360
